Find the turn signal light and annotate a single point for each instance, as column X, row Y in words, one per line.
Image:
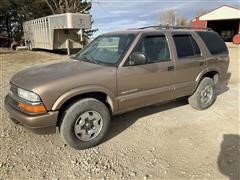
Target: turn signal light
column 32, row 108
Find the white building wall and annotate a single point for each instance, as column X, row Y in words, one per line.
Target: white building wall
column 224, row 12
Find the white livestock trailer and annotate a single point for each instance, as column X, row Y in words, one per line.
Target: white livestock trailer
column 61, row 31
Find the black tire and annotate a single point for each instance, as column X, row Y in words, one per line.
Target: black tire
column 71, row 117
column 198, row 97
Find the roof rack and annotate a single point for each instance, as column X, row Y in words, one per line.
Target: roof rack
column 174, row 27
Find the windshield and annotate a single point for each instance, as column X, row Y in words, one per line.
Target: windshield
column 105, row 49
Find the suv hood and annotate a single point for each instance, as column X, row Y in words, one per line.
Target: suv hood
column 39, row 75
column 52, row 80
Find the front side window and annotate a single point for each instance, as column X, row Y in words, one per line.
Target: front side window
column 186, row 46
column 155, row 48
column 105, row 49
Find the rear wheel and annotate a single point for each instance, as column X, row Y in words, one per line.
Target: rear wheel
column 85, row 123
column 204, row 96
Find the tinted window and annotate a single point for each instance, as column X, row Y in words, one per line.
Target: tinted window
column 155, row 48
column 214, row 42
column 186, row 46
column 196, row 49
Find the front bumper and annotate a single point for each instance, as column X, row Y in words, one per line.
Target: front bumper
column 40, row 124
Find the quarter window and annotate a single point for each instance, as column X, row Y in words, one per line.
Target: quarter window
column 214, row 42
column 155, row 48
column 186, row 46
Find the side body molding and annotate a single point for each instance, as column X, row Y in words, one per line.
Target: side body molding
column 86, row 89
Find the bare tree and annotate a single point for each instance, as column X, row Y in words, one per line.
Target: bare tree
column 168, row 17
column 71, row 6
column 200, row 12
column 51, row 8
column 65, row 6
column 182, row 21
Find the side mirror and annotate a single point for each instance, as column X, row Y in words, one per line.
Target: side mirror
column 137, row 58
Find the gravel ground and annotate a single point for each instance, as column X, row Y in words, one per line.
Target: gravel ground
column 171, row 141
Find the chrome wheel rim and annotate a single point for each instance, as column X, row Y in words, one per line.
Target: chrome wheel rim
column 206, row 94
column 88, row 125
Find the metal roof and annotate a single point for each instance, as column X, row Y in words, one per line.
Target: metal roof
column 221, row 13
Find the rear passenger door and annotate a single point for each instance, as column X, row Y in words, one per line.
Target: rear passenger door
column 190, row 61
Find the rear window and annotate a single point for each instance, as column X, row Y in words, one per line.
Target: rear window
column 186, row 46
column 214, row 42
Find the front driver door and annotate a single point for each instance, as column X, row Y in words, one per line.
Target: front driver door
column 150, row 83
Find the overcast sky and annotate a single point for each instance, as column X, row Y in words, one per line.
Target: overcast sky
column 111, row 15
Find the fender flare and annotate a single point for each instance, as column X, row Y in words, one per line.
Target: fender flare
column 203, row 72
column 86, row 89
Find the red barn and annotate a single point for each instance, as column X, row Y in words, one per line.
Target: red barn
column 225, row 20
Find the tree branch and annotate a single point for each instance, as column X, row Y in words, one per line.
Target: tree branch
column 56, row 6
column 49, row 5
column 67, row 6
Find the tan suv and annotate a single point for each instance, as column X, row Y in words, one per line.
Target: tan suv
column 116, row 73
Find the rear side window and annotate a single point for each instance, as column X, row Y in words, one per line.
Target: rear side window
column 186, row 46
column 214, row 42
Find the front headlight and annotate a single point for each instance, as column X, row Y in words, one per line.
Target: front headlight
column 28, row 95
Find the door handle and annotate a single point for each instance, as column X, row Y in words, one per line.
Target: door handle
column 170, row 68
column 201, row 63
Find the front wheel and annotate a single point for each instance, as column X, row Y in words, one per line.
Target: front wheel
column 204, row 96
column 85, row 123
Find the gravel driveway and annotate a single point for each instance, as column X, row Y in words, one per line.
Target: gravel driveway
column 170, row 141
